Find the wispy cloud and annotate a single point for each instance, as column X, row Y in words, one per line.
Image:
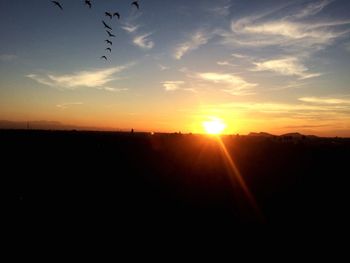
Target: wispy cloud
column 130, row 28
column 144, row 41
column 313, row 8
column 7, row 57
column 65, row 106
column 289, row 85
column 305, row 126
column 162, row 67
column 232, row 84
column 41, row 79
column 236, row 55
column 140, row 40
column 289, row 66
column 199, row 39
column 225, row 63
column 275, row 107
column 172, row 85
column 330, row 101
column 91, row 79
column 286, row 31
column 110, row 89
column 292, row 111
column 221, row 10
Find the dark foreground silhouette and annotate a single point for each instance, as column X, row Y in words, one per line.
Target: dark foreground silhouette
column 140, row 179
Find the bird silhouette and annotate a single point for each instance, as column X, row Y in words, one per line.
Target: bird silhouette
column 110, row 34
column 136, row 3
column 106, row 26
column 109, row 49
column 109, row 42
column 104, row 57
column 117, row 15
column 88, row 3
column 109, row 15
column 58, row 4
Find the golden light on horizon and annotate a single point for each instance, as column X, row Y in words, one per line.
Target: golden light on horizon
column 214, row 127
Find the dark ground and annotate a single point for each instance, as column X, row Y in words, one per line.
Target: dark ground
column 170, row 179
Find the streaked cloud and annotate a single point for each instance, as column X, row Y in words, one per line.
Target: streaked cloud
column 236, row 55
column 65, row 106
column 232, row 84
column 289, row 85
column 284, row 33
column 130, row 28
column 91, row 79
column 172, row 85
column 306, row 126
column 199, row 39
column 41, row 79
column 274, row 29
column 144, row 41
column 330, row 101
column 110, row 89
column 222, row 10
column 313, row 8
column 316, row 112
column 289, row 66
column 162, row 67
column 225, row 63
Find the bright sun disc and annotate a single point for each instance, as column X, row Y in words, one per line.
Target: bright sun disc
column 214, row 127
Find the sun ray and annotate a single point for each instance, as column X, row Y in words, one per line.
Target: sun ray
column 236, row 176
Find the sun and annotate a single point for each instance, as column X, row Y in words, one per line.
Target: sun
column 214, row 127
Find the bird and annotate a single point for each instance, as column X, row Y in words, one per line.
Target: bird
column 109, row 42
column 88, row 2
column 104, row 57
column 135, row 3
column 117, row 15
column 106, row 26
column 109, row 49
column 110, row 34
column 108, row 14
column 58, row 4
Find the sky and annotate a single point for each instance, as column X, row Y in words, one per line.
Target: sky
column 272, row 66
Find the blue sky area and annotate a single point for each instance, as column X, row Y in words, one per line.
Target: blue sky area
column 277, row 66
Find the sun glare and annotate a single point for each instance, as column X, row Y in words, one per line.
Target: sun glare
column 214, row 127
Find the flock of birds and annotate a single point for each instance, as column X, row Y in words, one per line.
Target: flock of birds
column 108, row 28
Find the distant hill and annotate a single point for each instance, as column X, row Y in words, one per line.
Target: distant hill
column 44, row 125
column 261, row 134
column 293, row 135
column 297, row 135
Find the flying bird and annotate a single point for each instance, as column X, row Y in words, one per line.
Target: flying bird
column 109, row 49
column 109, row 42
column 106, row 26
column 88, row 2
column 110, row 34
column 117, row 15
column 104, row 57
column 58, row 4
column 108, row 14
column 135, row 3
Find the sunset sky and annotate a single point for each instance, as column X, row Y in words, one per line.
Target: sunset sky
column 274, row 66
